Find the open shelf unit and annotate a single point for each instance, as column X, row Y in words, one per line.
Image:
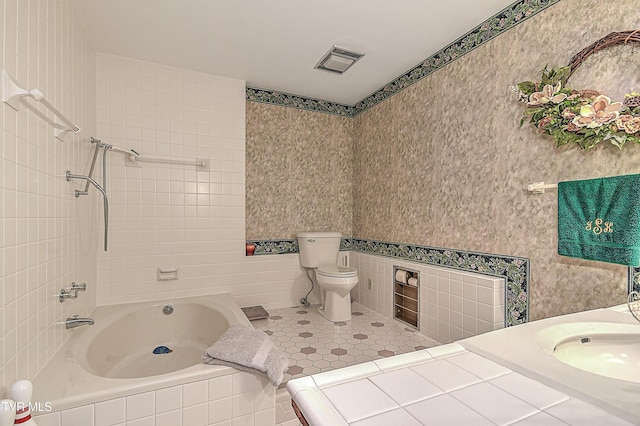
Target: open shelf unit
column 406, row 307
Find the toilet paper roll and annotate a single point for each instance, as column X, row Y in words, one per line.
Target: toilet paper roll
column 413, row 282
column 401, row 276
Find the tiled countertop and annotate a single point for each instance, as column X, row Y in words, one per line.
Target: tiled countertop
column 440, row 386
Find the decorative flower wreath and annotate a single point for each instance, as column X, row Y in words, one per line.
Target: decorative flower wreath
column 584, row 117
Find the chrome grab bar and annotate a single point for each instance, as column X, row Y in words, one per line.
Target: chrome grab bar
column 93, row 165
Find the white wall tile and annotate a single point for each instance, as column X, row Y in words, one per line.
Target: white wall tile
column 195, row 415
column 195, row 393
column 220, row 387
column 243, row 382
column 265, row 417
column 140, row 405
column 168, row 399
column 448, row 298
column 247, row 420
column 242, row 404
column 253, row 407
column 219, row 410
column 50, row 419
column 195, row 218
column 110, row 412
column 171, row 418
column 46, row 240
column 82, row 416
column 146, row 421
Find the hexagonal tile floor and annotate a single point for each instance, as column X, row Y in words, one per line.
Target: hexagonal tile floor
column 314, row 344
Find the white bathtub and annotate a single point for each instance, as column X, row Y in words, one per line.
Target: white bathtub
column 114, row 357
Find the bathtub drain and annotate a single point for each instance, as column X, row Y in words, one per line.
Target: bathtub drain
column 162, row 350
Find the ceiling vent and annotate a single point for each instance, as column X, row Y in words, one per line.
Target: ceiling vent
column 338, row 59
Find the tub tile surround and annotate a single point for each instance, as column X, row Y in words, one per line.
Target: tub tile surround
column 47, row 235
column 236, row 398
column 166, row 216
column 175, row 216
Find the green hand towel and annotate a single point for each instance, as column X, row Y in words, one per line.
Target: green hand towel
column 599, row 219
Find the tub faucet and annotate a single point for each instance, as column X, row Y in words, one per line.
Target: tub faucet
column 74, row 322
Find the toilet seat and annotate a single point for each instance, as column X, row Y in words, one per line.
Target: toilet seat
column 335, row 271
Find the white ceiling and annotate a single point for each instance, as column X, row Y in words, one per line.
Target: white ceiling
column 275, row 44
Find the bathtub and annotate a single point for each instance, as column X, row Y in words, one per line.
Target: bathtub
column 115, row 357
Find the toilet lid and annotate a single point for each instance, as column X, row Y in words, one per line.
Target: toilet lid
column 337, row 271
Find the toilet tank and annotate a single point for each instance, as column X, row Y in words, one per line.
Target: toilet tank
column 319, row 248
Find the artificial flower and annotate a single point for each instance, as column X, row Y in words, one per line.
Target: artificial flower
column 548, row 94
column 583, row 117
column 601, row 112
column 628, row 123
column 632, row 100
column 572, row 127
column 544, row 122
column 567, row 114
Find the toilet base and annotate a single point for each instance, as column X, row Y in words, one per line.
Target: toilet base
column 336, row 308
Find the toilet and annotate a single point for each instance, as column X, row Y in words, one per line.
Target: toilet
column 319, row 252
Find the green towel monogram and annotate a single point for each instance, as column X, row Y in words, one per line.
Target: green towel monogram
column 599, row 219
column 597, row 228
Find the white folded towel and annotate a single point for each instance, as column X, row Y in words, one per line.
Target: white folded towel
column 248, row 349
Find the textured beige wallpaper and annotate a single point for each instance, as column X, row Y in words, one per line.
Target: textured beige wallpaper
column 444, row 163
column 299, row 172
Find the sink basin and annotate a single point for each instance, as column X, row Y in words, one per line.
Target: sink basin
column 606, row 349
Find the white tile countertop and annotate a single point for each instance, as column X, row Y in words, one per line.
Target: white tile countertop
column 445, row 385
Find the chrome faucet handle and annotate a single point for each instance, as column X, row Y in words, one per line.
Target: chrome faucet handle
column 66, row 294
column 78, row 287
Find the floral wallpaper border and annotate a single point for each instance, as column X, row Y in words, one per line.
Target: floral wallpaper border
column 634, row 279
column 294, row 101
column 491, row 28
column 514, row 269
